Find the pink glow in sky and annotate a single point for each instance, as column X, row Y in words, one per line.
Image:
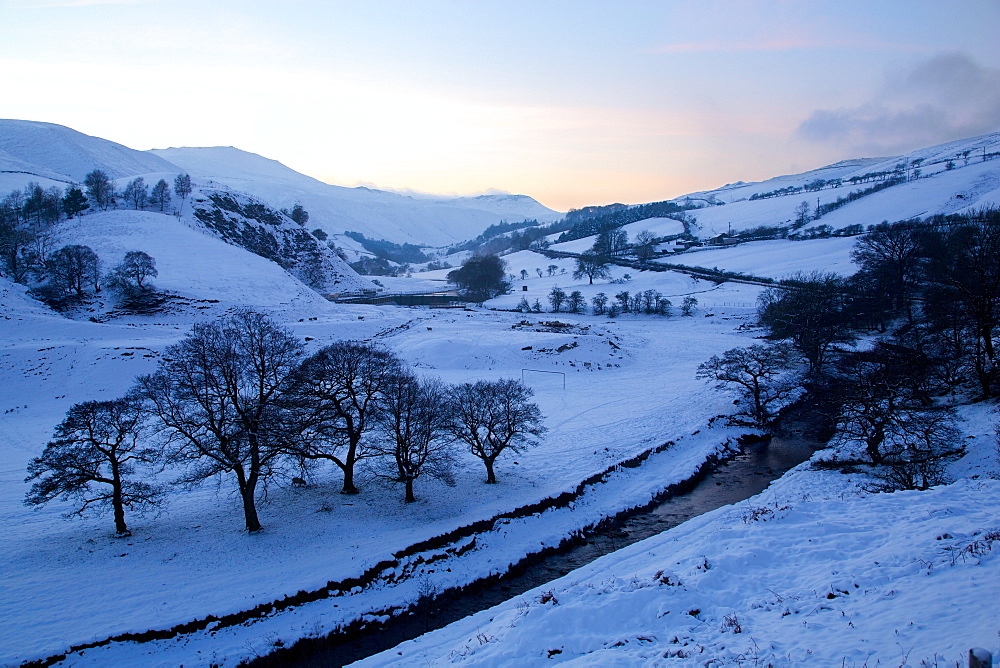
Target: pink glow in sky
column 573, row 103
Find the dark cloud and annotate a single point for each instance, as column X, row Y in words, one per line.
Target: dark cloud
column 947, row 97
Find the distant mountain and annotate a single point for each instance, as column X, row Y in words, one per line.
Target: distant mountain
column 335, row 209
column 512, row 207
column 55, row 155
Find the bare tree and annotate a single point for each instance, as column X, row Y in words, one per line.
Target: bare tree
column 964, row 270
column 160, row 195
column 592, row 266
column 17, row 239
column 136, row 193
column 802, row 215
column 891, row 256
column 492, row 417
column 337, row 396
column 481, row 277
column 414, row 422
column 932, row 441
column 557, row 297
column 624, row 301
column 645, row 244
column 217, row 400
column 100, row 189
column 689, row 305
column 91, row 458
column 762, row 374
column 182, row 185
column 130, row 277
column 813, row 311
column 600, row 303
column 73, row 268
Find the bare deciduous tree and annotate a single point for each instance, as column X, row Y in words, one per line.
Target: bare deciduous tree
column 136, row 193
column 763, row 375
column 131, row 276
column 160, row 195
column 100, row 189
column 492, row 417
column 217, row 399
column 91, row 458
column 413, row 422
column 592, row 266
column 73, row 268
column 337, row 395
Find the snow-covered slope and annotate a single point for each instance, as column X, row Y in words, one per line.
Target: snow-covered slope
column 335, row 209
column 191, row 263
column 812, row 572
column 509, row 207
column 60, row 153
column 969, row 184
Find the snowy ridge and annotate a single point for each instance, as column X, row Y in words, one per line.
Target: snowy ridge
column 70, row 154
column 512, row 207
column 335, row 209
column 937, row 190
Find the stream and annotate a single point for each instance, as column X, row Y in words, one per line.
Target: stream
column 744, row 475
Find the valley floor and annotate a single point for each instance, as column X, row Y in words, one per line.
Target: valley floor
column 629, row 387
column 813, row 570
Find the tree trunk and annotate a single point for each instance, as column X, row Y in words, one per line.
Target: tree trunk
column 247, row 492
column 410, row 498
column 117, row 503
column 872, row 444
column 348, row 466
column 250, row 511
column 491, row 477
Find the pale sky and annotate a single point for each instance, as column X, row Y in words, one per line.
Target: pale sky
column 571, row 102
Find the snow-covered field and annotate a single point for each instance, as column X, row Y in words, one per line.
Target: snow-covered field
column 777, row 258
column 70, row 582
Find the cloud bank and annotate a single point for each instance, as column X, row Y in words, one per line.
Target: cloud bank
column 945, row 98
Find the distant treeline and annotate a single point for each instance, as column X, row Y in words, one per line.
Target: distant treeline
column 824, row 209
column 399, row 253
column 529, row 234
column 623, row 216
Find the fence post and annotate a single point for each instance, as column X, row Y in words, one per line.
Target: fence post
column 980, row 658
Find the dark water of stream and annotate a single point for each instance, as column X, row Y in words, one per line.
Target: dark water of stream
column 736, row 479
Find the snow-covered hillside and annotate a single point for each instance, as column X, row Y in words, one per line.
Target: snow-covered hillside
column 972, row 181
column 335, row 209
column 193, row 264
column 55, row 155
column 60, row 153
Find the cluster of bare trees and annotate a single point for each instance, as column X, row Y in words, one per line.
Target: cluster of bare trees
column 28, row 252
column 931, row 291
column 238, row 399
column 649, row 302
column 137, row 194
